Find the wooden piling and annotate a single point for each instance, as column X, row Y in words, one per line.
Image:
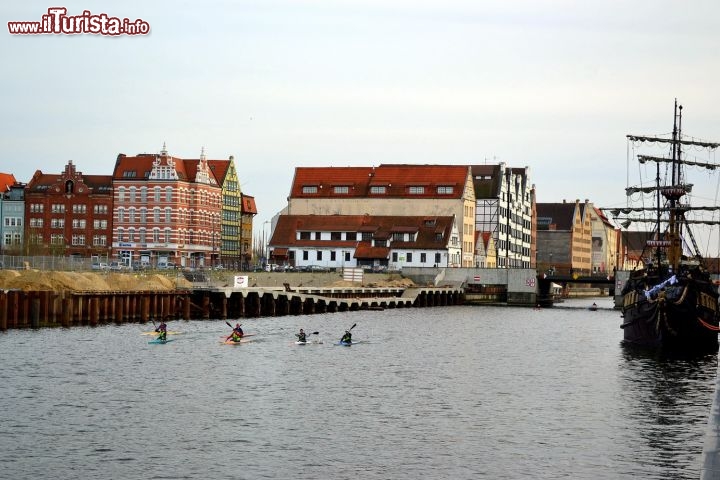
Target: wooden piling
column 3, row 311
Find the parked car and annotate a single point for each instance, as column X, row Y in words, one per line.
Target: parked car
column 317, row 268
column 116, row 266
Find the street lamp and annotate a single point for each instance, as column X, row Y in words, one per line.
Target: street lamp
column 267, row 243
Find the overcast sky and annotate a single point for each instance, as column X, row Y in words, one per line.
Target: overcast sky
column 552, row 85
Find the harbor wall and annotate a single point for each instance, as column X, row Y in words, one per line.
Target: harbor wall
column 35, row 309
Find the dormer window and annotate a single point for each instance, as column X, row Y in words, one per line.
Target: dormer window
column 341, row 189
column 416, row 190
column 378, row 190
column 445, row 190
column 310, row 189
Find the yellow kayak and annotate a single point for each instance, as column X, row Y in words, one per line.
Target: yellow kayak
column 169, row 332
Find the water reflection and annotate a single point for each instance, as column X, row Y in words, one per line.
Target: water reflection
column 663, row 391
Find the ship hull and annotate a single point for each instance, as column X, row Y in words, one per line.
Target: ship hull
column 682, row 318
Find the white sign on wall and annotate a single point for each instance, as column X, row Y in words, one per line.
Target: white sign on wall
column 241, row 281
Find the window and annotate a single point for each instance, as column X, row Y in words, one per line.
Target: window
column 444, row 190
column 423, row 258
column 437, row 259
column 168, row 215
column 367, row 236
column 78, row 239
column 335, row 236
column 143, row 194
column 168, row 194
column 319, row 254
column 157, row 194
column 416, row 190
column 310, row 189
column 167, row 235
column 156, row 215
column 332, row 255
column 347, row 256
column 341, row 189
column 121, row 194
column 409, row 257
column 142, row 235
column 305, row 255
column 121, row 215
column 394, row 257
column 305, row 236
column 398, row 237
column 156, row 235
column 131, row 235
column 79, row 223
column 79, row 208
column 100, row 209
column 351, row 236
column 56, row 239
column 58, row 208
column 378, row 190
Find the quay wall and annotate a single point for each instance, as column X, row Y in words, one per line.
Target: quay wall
column 35, row 309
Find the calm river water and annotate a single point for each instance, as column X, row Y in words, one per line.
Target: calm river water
column 436, row 393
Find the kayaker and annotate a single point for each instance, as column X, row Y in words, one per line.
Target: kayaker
column 236, row 334
column 347, row 338
column 301, row 336
column 162, row 331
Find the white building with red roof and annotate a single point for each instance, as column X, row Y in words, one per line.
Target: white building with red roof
column 370, row 241
column 389, row 190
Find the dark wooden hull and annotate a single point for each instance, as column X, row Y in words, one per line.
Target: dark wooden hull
column 683, row 318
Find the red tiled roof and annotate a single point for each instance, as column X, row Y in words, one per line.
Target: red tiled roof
column 139, row 167
column 6, row 180
column 220, row 169
column 40, row 182
column 395, row 178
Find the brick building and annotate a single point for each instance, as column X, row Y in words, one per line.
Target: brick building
column 167, row 210
column 69, row 213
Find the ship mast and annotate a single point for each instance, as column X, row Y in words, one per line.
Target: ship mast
column 675, row 249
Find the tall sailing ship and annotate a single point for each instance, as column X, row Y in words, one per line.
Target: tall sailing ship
column 670, row 301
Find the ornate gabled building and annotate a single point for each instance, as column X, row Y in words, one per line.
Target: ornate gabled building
column 485, row 251
column 389, row 190
column 238, row 211
column 248, row 210
column 69, row 213
column 372, row 241
column 564, row 237
column 504, row 207
column 606, row 245
column 166, row 210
